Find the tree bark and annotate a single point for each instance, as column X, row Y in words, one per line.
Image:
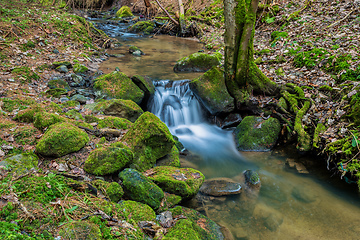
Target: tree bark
column 182, row 23
column 242, row 76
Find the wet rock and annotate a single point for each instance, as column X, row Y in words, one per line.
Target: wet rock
column 136, row 51
column 211, row 90
column 232, row 120
column 303, row 195
column 183, row 131
column 150, row 139
column 257, row 134
column 139, row 188
column 220, row 187
column 184, row 182
column 197, row 62
column 251, row 177
column 165, row 219
column 108, row 159
column 145, row 84
column 62, row 69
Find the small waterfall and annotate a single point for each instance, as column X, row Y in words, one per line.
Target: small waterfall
column 175, row 104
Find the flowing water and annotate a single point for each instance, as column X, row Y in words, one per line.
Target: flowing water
column 290, row 205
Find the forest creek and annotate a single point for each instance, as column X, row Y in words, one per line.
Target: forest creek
column 117, row 121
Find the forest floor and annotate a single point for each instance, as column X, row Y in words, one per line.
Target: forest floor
column 312, row 44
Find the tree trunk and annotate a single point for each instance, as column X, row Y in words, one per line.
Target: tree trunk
column 242, row 76
column 181, row 17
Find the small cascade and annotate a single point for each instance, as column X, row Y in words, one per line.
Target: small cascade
column 175, row 104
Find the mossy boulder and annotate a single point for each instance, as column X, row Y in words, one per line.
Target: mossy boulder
column 135, row 50
column 108, row 160
column 74, row 114
column 56, row 92
column 124, row 11
column 145, row 84
column 45, row 119
column 184, row 182
column 28, row 115
column 139, row 188
column 118, row 108
column 58, row 83
column 171, row 159
column 80, row 230
column 150, row 139
column 146, row 27
column 61, row 139
column 211, row 90
column 79, row 68
column 60, row 63
column 21, row 163
column 196, row 226
column 117, row 85
column 112, row 190
column 198, row 62
column 136, row 211
column 114, row 122
column 169, row 201
column 257, row 134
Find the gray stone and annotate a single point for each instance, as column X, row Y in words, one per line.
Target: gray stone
column 80, row 98
column 62, row 69
column 220, row 187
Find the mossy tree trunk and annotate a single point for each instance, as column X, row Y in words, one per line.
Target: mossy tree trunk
column 242, row 76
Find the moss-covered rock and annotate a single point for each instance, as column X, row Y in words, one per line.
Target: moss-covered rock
column 45, row 119
column 108, row 160
column 135, row 50
column 257, row 134
column 74, row 114
column 56, row 92
column 21, row 163
column 91, row 119
column 146, row 27
column 211, row 89
column 184, row 182
column 124, row 11
column 118, row 108
column 139, row 188
column 172, row 159
column 114, row 122
column 145, row 84
column 169, row 201
column 136, row 211
column 79, row 68
column 65, row 63
column 112, row 190
column 58, row 83
column 117, row 85
column 150, row 139
column 198, row 62
column 28, row 115
column 80, row 230
column 61, row 139
column 196, row 226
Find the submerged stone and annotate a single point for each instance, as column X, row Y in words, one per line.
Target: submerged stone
column 220, row 187
column 198, row 62
column 211, row 90
column 149, row 139
column 139, row 188
column 257, row 134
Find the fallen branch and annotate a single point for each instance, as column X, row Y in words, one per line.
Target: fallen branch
column 166, row 12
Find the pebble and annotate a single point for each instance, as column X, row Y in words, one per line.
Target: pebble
column 56, row 51
column 2, row 154
column 7, row 147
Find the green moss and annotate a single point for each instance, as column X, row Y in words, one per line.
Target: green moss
column 45, row 119
column 169, row 201
column 65, row 63
column 136, row 211
column 257, row 134
column 74, row 114
column 56, row 92
column 282, row 103
column 143, row 26
column 108, row 160
column 276, row 36
column 25, row 73
column 325, row 88
column 198, row 62
column 114, row 191
column 79, row 68
column 211, row 88
column 26, row 135
column 27, row 115
column 91, row 119
column 280, row 71
column 21, row 163
column 118, row 85
column 304, row 139
column 183, row 229
column 70, row 104
column 61, row 139
column 54, row 108
column 172, row 159
column 320, row 128
column 114, row 122
column 58, row 83
column 124, row 11
column 184, row 182
column 150, row 139
column 6, row 124
column 9, row 105
column 139, row 188
column 80, row 230
column 81, row 124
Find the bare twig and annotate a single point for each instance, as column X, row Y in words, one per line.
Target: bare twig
column 166, row 12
